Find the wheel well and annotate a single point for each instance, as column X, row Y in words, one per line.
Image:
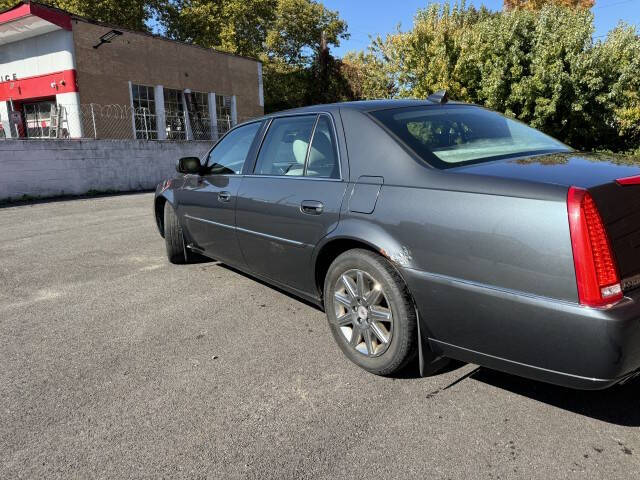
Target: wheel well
column 330, row 252
column 159, row 208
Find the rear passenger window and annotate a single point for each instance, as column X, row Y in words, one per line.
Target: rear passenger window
column 323, row 157
column 284, row 150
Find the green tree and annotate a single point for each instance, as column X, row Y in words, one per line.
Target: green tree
column 610, row 72
column 7, row 4
column 299, row 30
column 367, row 76
column 236, row 26
column 542, row 67
column 425, row 58
column 524, row 63
column 287, row 35
column 283, row 30
column 289, row 85
column 285, row 86
column 327, row 85
column 132, row 14
column 539, row 4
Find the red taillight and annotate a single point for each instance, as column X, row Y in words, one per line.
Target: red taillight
column 596, row 272
column 635, row 180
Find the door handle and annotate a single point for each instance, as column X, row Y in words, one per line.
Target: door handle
column 224, row 196
column 311, row 207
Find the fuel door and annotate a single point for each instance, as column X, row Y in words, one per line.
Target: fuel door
column 365, row 194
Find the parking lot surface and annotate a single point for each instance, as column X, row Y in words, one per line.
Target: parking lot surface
column 116, row 364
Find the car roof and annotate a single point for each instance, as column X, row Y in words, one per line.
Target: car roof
column 361, row 105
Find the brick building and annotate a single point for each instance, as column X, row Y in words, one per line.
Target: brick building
column 63, row 76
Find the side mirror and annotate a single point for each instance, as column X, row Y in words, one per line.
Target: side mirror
column 188, row 165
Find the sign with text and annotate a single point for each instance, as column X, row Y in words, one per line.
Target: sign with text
column 8, row 77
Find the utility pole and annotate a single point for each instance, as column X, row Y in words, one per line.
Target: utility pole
column 324, row 66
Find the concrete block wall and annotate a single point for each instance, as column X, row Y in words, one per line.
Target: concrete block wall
column 47, row 168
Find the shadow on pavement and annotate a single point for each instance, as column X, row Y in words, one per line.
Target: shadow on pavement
column 618, row 405
column 22, row 201
column 273, row 287
column 412, row 370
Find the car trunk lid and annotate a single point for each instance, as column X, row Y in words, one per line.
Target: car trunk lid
column 585, row 170
column 619, row 207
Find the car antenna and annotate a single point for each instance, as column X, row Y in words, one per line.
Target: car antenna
column 439, row 97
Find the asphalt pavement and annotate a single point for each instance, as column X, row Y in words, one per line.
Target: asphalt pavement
column 116, row 364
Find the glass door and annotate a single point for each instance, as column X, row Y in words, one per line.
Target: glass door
column 37, row 118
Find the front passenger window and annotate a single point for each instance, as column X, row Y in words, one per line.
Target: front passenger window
column 230, row 153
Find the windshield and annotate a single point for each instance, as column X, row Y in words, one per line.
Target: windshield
column 451, row 135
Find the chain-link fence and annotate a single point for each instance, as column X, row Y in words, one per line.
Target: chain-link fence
column 48, row 120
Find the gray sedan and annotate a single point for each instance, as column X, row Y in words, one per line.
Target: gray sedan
column 427, row 230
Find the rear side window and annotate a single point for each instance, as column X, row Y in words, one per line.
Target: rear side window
column 323, row 155
column 230, row 153
column 452, row 135
column 284, row 151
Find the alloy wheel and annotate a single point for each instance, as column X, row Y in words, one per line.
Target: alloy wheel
column 363, row 312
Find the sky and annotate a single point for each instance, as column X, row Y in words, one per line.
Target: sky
column 374, row 17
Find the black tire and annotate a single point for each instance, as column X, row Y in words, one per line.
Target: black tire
column 173, row 237
column 403, row 344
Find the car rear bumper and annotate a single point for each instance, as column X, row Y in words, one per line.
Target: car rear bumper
column 540, row 338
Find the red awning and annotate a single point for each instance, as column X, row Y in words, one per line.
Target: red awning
column 27, row 20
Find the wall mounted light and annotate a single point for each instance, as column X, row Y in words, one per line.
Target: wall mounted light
column 107, row 37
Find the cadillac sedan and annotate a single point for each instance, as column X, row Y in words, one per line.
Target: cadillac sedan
column 427, row 230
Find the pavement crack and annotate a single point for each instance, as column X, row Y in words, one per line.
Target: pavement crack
column 434, row 393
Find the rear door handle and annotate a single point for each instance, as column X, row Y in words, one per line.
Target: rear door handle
column 311, row 207
column 224, row 196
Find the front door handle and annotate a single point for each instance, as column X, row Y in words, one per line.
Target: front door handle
column 224, row 196
column 311, row 207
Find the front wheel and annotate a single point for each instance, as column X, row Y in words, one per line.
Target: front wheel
column 370, row 312
column 173, row 237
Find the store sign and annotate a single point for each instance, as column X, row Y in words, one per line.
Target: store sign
column 8, row 78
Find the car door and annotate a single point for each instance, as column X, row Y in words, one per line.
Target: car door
column 291, row 200
column 207, row 201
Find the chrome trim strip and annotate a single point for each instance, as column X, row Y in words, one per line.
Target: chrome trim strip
column 296, row 177
column 272, row 237
column 533, row 297
column 252, row 232
column 198, row 219
column 484, row 286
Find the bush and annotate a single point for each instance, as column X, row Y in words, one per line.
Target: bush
column 542, row 67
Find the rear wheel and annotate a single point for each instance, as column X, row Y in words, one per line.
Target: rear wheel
column 173, row 237
column 370, row 312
